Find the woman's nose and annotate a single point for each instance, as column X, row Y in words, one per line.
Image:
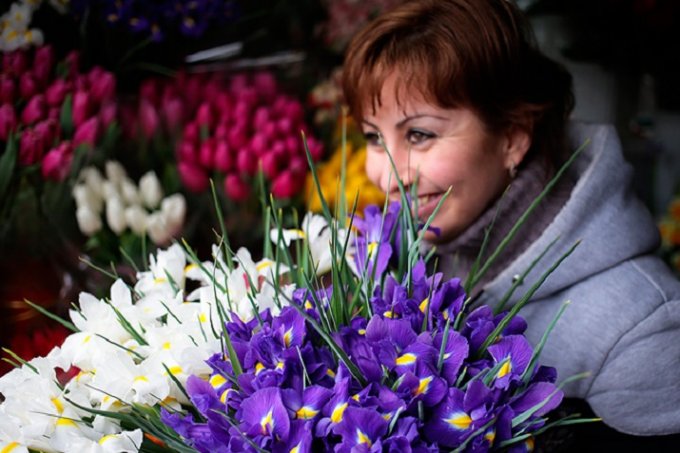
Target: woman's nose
column 402, row 171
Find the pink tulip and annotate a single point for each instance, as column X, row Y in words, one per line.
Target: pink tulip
column 284, row 126
column 108, row 114
column 260, row 117
column 223, row 158
column 248, row 96
column 43, row 63
column 8, row 121
column 87, row 133
column 286, row 185
column 191, row 133
column 53, row 113
column 206, row 154
column 222, row 131
column 148, row 118
column 204, row 115
column 186, row 152
column 259, row 144
column 149, row 90
column 237, row 137
column 265, row 84
column 56, row 164
column 246, row 162
column 297, row 165
column 72, row 61
column 173, row 113
column 241, row 111
column 31, row 147
column 293, row 145
column 35, row 110
column 15, row 63
column 269, row 130
column 223, row 104
column 279, row 148
column 48, row 132
column 270, row 165
column 193, row 177
column 82, row 107
column 238, row 83
column 236, row 188
column 81, row 83
column 103, row 85
column 27, row 85
column 315, row 148
column 7, row 89
column 56, row 93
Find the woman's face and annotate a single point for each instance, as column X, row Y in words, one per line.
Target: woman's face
column 445, row 148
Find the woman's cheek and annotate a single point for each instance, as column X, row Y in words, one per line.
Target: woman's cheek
column 374, row 169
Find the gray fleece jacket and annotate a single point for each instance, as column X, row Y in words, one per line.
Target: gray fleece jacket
column 623, row 323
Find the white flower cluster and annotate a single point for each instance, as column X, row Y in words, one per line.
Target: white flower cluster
column 15, row 31
column 132, row 348
column 141, row 208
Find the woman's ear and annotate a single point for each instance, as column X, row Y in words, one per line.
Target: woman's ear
column 518, row 142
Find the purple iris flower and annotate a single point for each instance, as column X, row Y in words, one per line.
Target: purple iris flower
column 535, row 394
column 197, row 435
column 423, row 385
column 263, row 414
column 481, row 322
column 203, row 395
column 455, row 352
column 372, row 246
column 361, row 430
column 515, row 353
column 300, row 438
column 306, row 404
column 289, row 328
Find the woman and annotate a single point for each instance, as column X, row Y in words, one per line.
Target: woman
column 461, row 98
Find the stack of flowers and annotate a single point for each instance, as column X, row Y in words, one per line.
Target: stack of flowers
column 141, row 209
column 669, row 227
column 227, row 130
column 266, row 357
column 158, row 19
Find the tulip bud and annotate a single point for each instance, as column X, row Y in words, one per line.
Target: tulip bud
column 241, row 110
column 15, row 62
column 204, row 115
column 72, row 61
column 31, row 148
column 293, row 145
column 186, row 152
column 56, row 164
column 258, row 144
column 222, row 131
column 115, row 215
column 270, row 165
column 237, row 137
column 173, row 114
column 157, row 229
column 7, row 89
column 35, row 110
column 285, row 126
column 193, row 177
column 8, row 121
column 27, row 86
column 85, row 197
column 149, row 91
column 89, row 221
column 56, row 93
column 115, row 172
column 110, row 190
column 298, row 166
column 148, row 119
column 107, row 114
column 293, row 111
column 265, row 84
column 191, row 132
column 223, row 159
column 286, row 185
column 82, row 107
column 174, row 209
column 87, row 133
column 315, row 148
column 128, row 190
column 206, row 154
column 150, row 190
column 136, row 218
column 103, row 85
column 246, row 162
column 260, row 117
column 48, row 131
column 238, row 83
column 43, row 63
column 236, row 188
column 93, row 180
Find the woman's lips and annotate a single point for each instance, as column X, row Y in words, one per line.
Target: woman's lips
column 427, row 204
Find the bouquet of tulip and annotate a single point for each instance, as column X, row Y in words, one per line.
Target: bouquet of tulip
column 52, row 117
column 337, row 339
column 669, row 226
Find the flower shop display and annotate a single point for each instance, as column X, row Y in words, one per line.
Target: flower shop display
column 338, row 339
column 669, row 227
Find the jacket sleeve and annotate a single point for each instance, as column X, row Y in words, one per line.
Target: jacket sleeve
column 637, row 389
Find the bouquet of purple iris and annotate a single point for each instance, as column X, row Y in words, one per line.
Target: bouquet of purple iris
column 390, row 357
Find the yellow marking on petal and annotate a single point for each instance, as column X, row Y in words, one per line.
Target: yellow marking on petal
column 279, row 365
column 217, row 380
column 505, row 369
column 258, row 367
column 140, row 379
column 490, row 436
column 159, row 280
column 174, row 370
column 338, row 412
column 112, row 17
column 371, row 248
column 58, row 405
column 267, row 420
column 423, row 304
column 423, row 386
column 306, row 413
column 530, row 444
column 10, row 447
column 387, row 416
column 361, row 331
column 406, row 359
column 299, row 232
column 190, row 267
column 308, row 305
column 295, row 449
column 107, row 437
column 202, row 317
column 66, row 422
column 362, row 438
column 263, row 265
column 166, row 345
column 224, row 395
column 356, row 397
column 459, row 420
column 390, row 314
column 330, row 372
column 288, row 337
column 87, row 339
column 445, row 314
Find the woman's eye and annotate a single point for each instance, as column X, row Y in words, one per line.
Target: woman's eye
column 417, row 137
column 372, row 138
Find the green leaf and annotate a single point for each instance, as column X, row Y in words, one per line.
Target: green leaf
column 66, row 116
column 7, row 164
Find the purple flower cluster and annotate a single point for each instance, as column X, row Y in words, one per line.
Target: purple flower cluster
column 158, row 18
column 412, row 383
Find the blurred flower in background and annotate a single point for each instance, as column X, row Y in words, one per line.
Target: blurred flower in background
column 669, row 226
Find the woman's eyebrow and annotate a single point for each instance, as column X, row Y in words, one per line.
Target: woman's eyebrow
column 416, row 116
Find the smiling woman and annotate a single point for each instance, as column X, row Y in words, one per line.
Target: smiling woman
column 457, row 95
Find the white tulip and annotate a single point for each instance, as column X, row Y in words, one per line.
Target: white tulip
column 89, row 221
column 174, row 209
column 136, row 218
column 110, row 190
column 115, row 215
column 93, row 180
column 115, row 172
column 157, row 228
column 129, row 191
column 150, row 190
column 85, row 197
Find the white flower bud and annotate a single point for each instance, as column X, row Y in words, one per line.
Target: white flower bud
column 110, row 190
column 129, row 191
column 115, row 215
column 89, row 221
column 85, row 197
column 136, row 218
column 157, row 228
column 93, row 180
column 150, row 190
column 174, row 209
column 115, row 172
